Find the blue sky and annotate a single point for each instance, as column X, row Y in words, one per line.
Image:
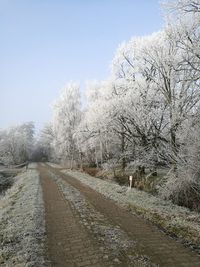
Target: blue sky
column 46, row 43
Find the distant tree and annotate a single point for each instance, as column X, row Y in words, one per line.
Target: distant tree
column 17, row 143
column 43, row 149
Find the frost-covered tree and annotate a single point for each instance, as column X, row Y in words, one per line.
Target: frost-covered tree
column 183, row 187
column 122, row 123
column 159, row 61
column 92, row 132
column 66, row 117
column 183, row 6
column 16, row 143
column 43, row 149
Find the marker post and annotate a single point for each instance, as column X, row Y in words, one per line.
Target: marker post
column 131, row 180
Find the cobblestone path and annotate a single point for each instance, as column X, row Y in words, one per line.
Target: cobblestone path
column 86, row 229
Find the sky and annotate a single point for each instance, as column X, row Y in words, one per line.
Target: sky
column 47, row 43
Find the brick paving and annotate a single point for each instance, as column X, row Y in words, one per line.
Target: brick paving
column 70, row 244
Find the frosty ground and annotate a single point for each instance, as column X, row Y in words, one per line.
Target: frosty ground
column 22, row 218
column 22, row 226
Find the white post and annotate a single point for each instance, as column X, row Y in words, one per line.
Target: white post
column 131, row 180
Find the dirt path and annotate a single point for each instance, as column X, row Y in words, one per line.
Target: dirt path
column 68, row 244
column 80, row 225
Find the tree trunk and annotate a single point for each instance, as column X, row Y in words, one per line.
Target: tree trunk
column 81, row 160
column 101, row 151
column 96, row 159
column 173, row 141
column 122, row 151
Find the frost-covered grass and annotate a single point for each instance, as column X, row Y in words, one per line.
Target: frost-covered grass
column 54, row 165
column 32, row 165
column 177, row 220
column 22, row 226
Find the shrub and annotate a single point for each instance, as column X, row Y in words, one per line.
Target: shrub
column 183, row 189
column 5, row 183
column 183, row 184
